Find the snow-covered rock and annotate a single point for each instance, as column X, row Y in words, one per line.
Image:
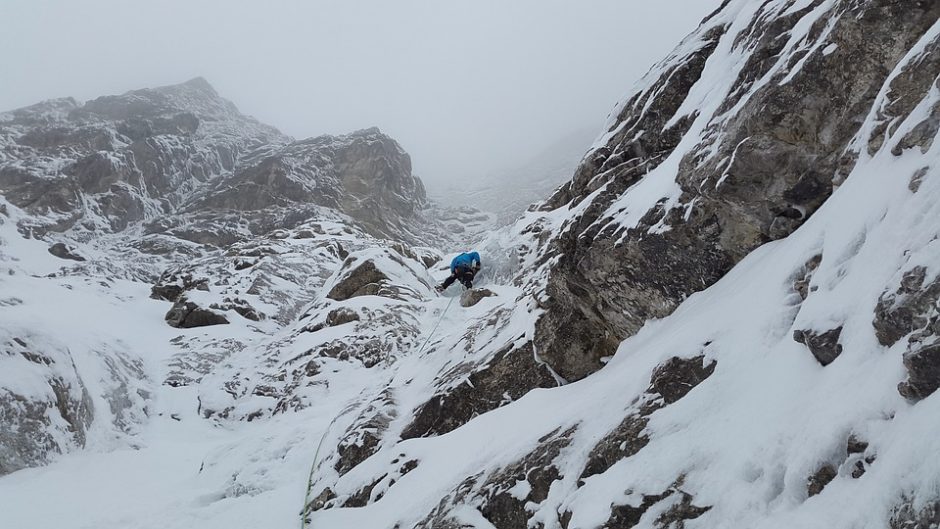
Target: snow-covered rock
column 727, row 318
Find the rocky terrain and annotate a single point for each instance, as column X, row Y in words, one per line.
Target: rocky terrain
column 728, row 317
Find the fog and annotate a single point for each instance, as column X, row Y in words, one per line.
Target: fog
column 466, row 87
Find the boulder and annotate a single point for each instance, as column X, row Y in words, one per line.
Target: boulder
column 473, row 296
column 185, row 314
column 63, row 251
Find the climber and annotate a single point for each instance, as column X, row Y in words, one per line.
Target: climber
column 462, row 268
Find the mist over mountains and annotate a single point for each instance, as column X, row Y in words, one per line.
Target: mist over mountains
column 722, row 309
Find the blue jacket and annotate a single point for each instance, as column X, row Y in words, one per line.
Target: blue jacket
column 465, row 260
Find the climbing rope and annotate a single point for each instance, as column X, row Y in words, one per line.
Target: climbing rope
column 438, row 324
column 316, row 454
column 313, row 467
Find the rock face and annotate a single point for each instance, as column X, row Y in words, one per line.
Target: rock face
column 739, row 210
column 911, row 311
column 923, row 368
column 169, row 155
column 622, row 262
column 228, row 219
column 29, row 434
column 509, row 376
column 768, row 193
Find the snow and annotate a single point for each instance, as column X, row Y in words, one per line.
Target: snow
column 217, row 454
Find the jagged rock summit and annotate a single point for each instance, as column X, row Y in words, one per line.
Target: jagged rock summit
column 171, row 156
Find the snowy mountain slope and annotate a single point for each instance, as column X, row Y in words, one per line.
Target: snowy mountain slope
column 732, row 141
column 698, row 172
column 178, row 156
column 64, row 385
column 162, row 185
column 727, row 318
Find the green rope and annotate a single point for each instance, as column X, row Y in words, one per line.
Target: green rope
column 313, row 467
column 316, row 454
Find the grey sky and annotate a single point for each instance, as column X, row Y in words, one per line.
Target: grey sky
column 466, row 87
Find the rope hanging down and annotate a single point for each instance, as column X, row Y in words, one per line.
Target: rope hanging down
column 438, row 324
column 316, row 454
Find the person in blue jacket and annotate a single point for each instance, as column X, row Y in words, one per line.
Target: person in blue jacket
column 462, row 268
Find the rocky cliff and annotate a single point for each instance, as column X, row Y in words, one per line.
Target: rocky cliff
column 173, row 156
column 225, row 217
column 746, row 250
column 728, row 317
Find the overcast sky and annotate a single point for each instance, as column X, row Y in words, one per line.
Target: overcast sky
column 467, row 87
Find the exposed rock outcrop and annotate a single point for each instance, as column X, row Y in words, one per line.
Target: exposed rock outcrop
column 825, row 346
column 36, row 428
column 63, row 251
column 783, row 142
column 508, row 376
column 473, row 296
column 186, row 314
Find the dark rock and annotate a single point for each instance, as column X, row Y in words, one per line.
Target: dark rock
column 322, row 500
column 802, row 284
column 473, row 296
column 605, row 280
column 242, row 264
column 362, row 438
column 908, row 308
column 35, row 430
column 858, row 470
column 906, row 516
column 917, row 179
column 627, row 516
column 818, row 481
column 509, row 375
column 62, row 251
column 166, row 292
column 855, row 445
column 351, row 454
column 669, row 382
column 677, row 376
column 362, row 497
column 683, row 511
column 341, row 316
column 240, row 306
column 172, row 285
column 624, row 441
column 503, row 509
column 923, row 372
column 490, row 494
column 825, row 346
column 363, row 280
column 186, row 314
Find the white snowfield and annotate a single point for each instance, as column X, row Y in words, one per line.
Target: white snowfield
column 232, row 447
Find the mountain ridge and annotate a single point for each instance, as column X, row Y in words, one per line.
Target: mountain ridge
column 727, row 317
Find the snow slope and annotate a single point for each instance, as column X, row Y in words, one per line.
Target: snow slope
column 727, row 318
